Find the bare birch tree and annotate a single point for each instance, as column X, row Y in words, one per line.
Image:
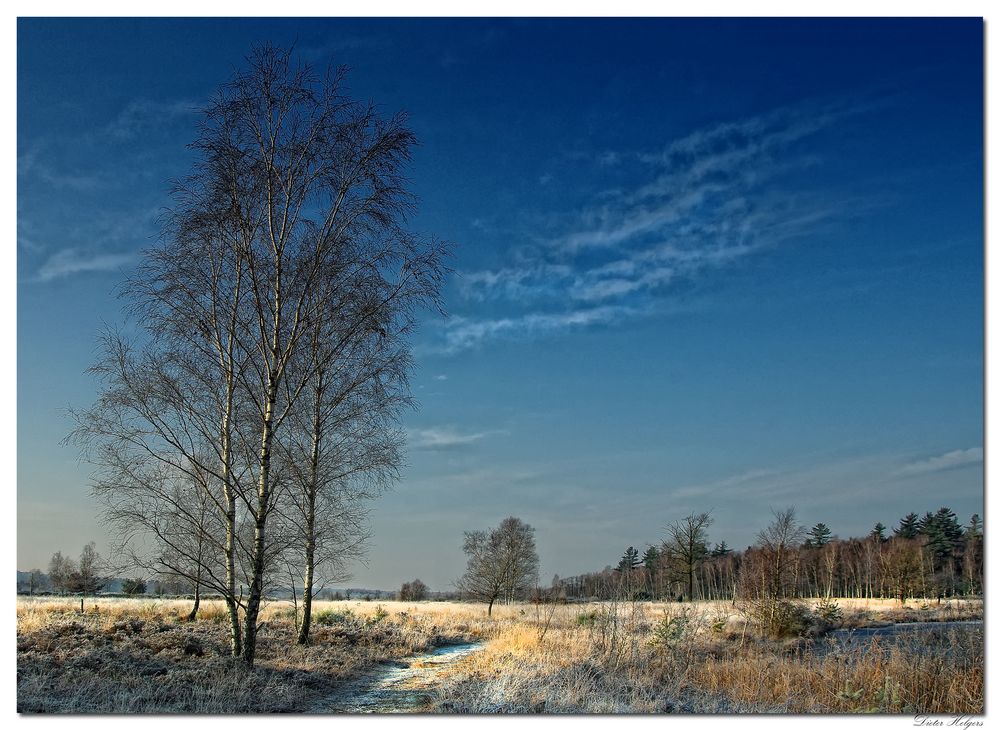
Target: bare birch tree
column 349, row 446
column 502, row 565
column 291, row 220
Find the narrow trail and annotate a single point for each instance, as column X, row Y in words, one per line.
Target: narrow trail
column 402, row 685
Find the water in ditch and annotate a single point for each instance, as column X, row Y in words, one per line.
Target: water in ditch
column 402, row 685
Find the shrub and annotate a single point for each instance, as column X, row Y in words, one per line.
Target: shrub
column 789, row 619
column 586, row 618
column 333, row 617
column 379, row 615
column 828, row 611
column 133, row 586
column 777, row 618
column 671, row 628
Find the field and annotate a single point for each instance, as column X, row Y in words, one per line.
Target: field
column 139, row 655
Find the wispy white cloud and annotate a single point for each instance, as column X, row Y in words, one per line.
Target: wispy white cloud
column 71, row 261
column 821, row 480
column 516, row 283
column 951, row 460
column 333, row 49
column 462, row 333
column 28, row 236
column 700, row 176
column 750, row 480
column 441, row 377
column 33, row 165
column 443, row 438
column 703, row 202
column 139, row 115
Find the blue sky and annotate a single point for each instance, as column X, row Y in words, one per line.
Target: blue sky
column 700, row 265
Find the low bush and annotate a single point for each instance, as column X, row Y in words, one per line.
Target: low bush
column 334, row 617
column 671, row 628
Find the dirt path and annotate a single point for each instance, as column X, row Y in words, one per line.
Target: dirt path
column 403, row 685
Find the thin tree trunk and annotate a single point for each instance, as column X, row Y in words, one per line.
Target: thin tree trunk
column 307, row 582
column 232, row 607
column 235, row 640
column 197, row 601
column 201, row 555
column 255, row 594
column 312, row 488
column 228, row 366
column 256, row 591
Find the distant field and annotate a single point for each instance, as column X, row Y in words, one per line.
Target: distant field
column 138, row 655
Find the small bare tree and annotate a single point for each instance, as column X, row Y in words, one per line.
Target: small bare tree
column 777, row 543
column 36, row 581
column 344, row 446
column 414, row 590
column 903, row 567
column 88, row 578
column 686, row 547
column 766, row 580
column 503, row 563
column 60, row 570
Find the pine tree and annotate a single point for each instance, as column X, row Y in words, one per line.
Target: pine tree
column 944, row 533
column 818, row 536
column 630, row 561
column 878, row 532
column 908, row 527
column 650, row 557
column 721, row 550
column 975, row 528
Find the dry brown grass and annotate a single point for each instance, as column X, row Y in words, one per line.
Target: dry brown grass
column 139, row 655
column 919, row 674
column 697, row 658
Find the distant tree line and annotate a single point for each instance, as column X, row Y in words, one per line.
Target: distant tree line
column 923, row 556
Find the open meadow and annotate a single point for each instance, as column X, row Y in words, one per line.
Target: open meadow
column 142, row 656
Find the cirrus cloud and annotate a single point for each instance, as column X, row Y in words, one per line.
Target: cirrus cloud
column 950, row 460
column 71, row 261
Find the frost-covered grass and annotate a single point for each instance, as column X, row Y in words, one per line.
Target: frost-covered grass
column 641, row 658
column 139, row 655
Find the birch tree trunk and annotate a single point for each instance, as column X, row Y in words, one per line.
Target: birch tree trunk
column 310, row 517
column 258, row 558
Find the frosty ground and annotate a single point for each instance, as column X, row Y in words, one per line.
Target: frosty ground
column 141, row 656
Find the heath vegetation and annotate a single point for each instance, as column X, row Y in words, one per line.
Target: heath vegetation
column 142, row 655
